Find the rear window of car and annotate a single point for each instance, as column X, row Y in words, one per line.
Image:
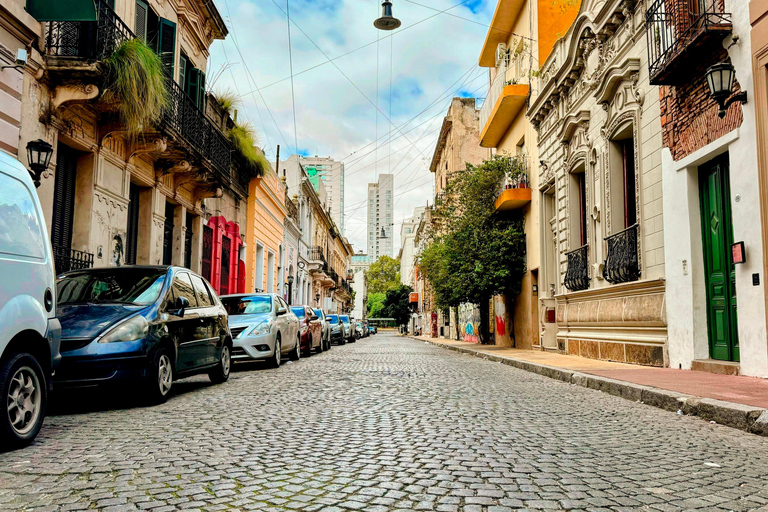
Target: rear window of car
column 334, row 319
column 247, row 305
column 20, row 232
column 299, row 312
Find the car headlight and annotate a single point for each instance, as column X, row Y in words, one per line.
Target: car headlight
column 133, row 329
column 263, row 328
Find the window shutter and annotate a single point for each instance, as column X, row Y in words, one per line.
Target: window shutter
column 141, row 19
column 183, row 73
column 201, row 91
column 192, row 84
column 167, row 43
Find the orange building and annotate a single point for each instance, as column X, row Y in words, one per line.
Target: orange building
column 263, row 237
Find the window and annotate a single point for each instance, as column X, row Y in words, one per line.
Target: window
column 622, row 180
column 159, row 33
column 182, row 287
column 578, row 208
column 20, row 232
column 259, row 266
column 201, row 292
column 192, row 81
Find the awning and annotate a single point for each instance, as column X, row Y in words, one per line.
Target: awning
column 59, row 10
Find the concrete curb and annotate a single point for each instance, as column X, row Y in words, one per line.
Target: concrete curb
column 743, row 417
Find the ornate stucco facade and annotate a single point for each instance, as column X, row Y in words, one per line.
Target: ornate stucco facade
column 601, row 279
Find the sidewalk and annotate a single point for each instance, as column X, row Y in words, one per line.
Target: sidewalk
column 740, row 402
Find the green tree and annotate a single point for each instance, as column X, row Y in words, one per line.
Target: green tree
column 396, row 304
column 383, row 275
column 475, row 252
column 376, row 305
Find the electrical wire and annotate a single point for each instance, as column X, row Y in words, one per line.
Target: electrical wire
column 290, row 62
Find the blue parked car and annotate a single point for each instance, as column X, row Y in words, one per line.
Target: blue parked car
column 154, row 324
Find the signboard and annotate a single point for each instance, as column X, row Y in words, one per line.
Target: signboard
column 413, row 297
column 737, row 252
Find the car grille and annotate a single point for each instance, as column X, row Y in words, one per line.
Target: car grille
column 70, row 344
column 236, row 331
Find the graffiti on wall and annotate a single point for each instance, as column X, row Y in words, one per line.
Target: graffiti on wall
column 469, row 322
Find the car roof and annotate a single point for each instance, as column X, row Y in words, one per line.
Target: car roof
column 13, row 167
column 238, row 295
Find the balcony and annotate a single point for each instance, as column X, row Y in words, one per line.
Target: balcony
column 622, row 264
column 514, row 194
column 506, row 99
column 577, row 273
column 679, row 33
column 317, row 256
column 73, row 49
column 65, row 259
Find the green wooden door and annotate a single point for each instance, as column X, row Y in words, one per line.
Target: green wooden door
column 717, row 237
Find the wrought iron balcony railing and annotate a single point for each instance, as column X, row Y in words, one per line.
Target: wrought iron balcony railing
column 675, row 26
column 96, row 40
column 622, row 264
column 318, row 255
column 66, row 259
column 577, row 273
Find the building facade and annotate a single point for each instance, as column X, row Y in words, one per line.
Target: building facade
column 264, row 236
column 380, row 220
column 710, row 166
column 331, row 173
column 602, row 270
column 359, row 264
column 169, row 193
column 407, row 253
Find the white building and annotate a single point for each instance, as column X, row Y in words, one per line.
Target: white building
column 380, row 206
column 331, row 173
column 407, row 246
column 359, row 266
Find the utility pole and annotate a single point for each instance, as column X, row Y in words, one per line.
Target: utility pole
column 277, row 161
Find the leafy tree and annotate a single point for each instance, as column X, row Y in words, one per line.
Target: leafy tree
column 376, row 305
column 396, row 304
column 475, row 252
column 383, row 275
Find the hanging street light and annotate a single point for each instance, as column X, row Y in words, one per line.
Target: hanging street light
column 720, row 81
column 39, row 156
column 387, row 21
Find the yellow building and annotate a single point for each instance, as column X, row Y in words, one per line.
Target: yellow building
column 264, row 233
column 521, row 36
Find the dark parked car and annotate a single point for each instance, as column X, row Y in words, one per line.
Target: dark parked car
column 337, row 330
column 326, row 328
column 153, row 324
column 310, row 328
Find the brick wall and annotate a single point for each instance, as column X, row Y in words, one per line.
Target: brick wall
column 689, row 117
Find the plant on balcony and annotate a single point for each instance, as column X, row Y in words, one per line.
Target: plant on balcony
column 227, row 100
column 247, row 156
column 135, row 83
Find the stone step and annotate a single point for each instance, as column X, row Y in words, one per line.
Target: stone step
column 715, row 366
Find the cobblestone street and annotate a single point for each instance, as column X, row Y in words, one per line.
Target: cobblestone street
column 385, row 424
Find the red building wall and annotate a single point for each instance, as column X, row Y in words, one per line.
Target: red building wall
column 234, row 282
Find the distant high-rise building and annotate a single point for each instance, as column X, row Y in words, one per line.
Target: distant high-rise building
column 380, row 207
column 408, row 246
column 331, row 173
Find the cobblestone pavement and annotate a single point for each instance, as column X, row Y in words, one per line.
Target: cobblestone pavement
column 385, row 424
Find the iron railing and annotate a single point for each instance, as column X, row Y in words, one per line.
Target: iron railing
column 672, row 25
column 318, row 255
column 622, row 264
column 577, row 273
column 96, row 40
column 521, row 180
column 65, row 259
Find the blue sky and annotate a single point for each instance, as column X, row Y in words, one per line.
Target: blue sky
column 336, row 103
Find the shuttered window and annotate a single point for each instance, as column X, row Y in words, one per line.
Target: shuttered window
column 166, row 46
column 168, row 233
column 64, row 198
column 132, row 231
column 142, row 12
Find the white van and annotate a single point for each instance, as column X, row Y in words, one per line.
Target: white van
column 29, row 331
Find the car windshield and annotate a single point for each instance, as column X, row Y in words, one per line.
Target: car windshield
column 344, row 319
column 299, row 312
column 334, row 319
column 140, row 286
column 247, row 305
column 318, row 312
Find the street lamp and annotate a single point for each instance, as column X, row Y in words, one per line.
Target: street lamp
column 290, row 289
column 39, row 156
column 387, row 21
column 720, row 81
column 317, row 298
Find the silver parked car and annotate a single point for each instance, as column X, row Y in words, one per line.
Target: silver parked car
column 263, row 327
column 326, row 328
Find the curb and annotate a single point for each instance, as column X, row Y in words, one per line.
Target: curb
column 743, row 417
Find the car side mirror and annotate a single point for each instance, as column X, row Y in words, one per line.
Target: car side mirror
column 314, row 317
column 281, row 311
column 181, row 304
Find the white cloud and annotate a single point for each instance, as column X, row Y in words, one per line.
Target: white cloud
column 333, row 118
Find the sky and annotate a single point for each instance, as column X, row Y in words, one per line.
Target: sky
column 344, row 106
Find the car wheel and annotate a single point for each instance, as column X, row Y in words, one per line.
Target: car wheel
column 160, row 380
column 24, row 387
column 276, row 359
column 296, row 353
column 221, row 372
column 327, row 342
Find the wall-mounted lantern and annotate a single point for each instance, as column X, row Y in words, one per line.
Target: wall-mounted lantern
column 39, row 156
column 720, row 80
